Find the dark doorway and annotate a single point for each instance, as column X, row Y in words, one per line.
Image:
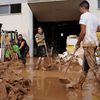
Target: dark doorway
column 56, row 34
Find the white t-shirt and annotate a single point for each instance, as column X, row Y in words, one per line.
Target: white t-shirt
column 92, row 23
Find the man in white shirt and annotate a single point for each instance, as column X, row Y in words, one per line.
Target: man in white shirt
column 89, row 24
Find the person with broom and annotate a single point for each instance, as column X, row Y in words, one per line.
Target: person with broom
column 42, row 48
column 89, row 24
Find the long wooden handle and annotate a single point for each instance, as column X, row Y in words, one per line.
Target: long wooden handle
column 46, row 50
column 70, row 62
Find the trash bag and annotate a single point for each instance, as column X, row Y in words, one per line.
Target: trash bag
column 7, row 54
column 17, row 50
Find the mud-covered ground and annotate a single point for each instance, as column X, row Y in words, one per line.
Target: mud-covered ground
column 15, row 81
column 46, row 84
column 26, row 83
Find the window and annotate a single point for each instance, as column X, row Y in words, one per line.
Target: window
column 9, row 9
column 16, row 8
column 5, row 9
column 98, row 3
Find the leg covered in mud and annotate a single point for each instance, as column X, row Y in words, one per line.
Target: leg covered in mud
column 38, row 63
column 81, row 81
column 91, row 59
column 89, row 63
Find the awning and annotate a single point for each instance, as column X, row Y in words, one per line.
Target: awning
column 55, row 10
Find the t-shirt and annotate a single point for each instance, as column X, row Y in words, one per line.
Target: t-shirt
column 40, row 37
column 25, row 45
column 92, row 23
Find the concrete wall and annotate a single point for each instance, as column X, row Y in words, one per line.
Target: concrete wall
column 37, row 1
column 94, row 7
column 23, row 22
column 4, row 2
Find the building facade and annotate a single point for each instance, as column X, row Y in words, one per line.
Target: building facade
column 22, row 20
column 95, row 7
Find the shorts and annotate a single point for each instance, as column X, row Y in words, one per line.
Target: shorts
column 41, row 51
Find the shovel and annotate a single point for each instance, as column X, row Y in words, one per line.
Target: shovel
column 64, row 80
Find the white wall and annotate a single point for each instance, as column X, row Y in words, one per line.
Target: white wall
column 22, row 22
column 36, row 1
column 27, row 19
column 94, row 7
column 4, row 2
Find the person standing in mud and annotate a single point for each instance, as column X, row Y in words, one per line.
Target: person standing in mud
column 24, row 48
column 40, row 40
column 89, row 24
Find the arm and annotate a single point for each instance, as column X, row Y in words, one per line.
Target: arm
column 22, row 44
column 39, row 40
column 81, row 35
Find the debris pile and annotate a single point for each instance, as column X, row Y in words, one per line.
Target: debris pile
column 17, row 89
column 3, row 68
column 63, row 59
column 12, row 85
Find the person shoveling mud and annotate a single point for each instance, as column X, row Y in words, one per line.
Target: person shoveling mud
column 89, row 25
column 42, row 48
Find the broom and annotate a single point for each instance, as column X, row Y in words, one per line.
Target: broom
column 64, row 80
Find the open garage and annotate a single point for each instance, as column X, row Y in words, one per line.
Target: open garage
column 56, row 17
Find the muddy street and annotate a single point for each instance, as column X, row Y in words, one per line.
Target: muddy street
column 26, row 83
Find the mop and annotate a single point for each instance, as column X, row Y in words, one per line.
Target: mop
column 64, row 80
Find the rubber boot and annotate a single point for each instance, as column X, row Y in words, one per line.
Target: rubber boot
column 81, row 81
